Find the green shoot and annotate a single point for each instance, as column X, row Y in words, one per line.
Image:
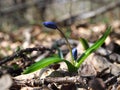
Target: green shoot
column 46, row 62
column 75, row 64
column 93, row 48
column 84, row 43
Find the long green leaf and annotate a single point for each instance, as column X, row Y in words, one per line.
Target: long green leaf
column 41, row 64
column 93, row 48
column 46, row 62
column 84, row 43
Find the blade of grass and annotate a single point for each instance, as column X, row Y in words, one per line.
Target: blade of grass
column 93, row 48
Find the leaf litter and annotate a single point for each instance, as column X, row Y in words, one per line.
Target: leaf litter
column 100, row 70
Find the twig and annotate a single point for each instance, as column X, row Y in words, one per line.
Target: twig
column 99, row 11
column 23, row 52
column 90, row 14
column 59, row 80
column 112, row 79
column 19, row 6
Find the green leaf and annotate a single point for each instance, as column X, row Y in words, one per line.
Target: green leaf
column 71, row 67
column 84, row 43
column 60, row 53
column 46, row 62
column 93, row 48
column 41, row 64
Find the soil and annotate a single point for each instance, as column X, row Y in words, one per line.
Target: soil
column 21, row 48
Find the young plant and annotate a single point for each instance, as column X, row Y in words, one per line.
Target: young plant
column 75, row 63
column 53, row 25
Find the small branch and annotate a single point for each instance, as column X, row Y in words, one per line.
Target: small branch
column 79, row 16
column 21, row 52
column 99, row 11
column 112, row 79
column 20, row 6
column 60, row 80
column 30, row 82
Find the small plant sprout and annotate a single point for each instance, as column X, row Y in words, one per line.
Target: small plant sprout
column 53, row 25
column 76, row 61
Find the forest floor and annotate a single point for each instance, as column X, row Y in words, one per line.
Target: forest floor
column 21, row 48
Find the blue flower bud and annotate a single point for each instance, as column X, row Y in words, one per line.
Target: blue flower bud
column 49, row 24
column 74, row 53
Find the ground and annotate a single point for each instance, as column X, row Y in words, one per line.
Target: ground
column 22, row 47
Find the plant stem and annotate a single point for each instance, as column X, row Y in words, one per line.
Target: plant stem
column 68, row 44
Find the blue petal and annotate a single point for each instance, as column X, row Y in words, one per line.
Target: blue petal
column 49, row 24
column 74, row 53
